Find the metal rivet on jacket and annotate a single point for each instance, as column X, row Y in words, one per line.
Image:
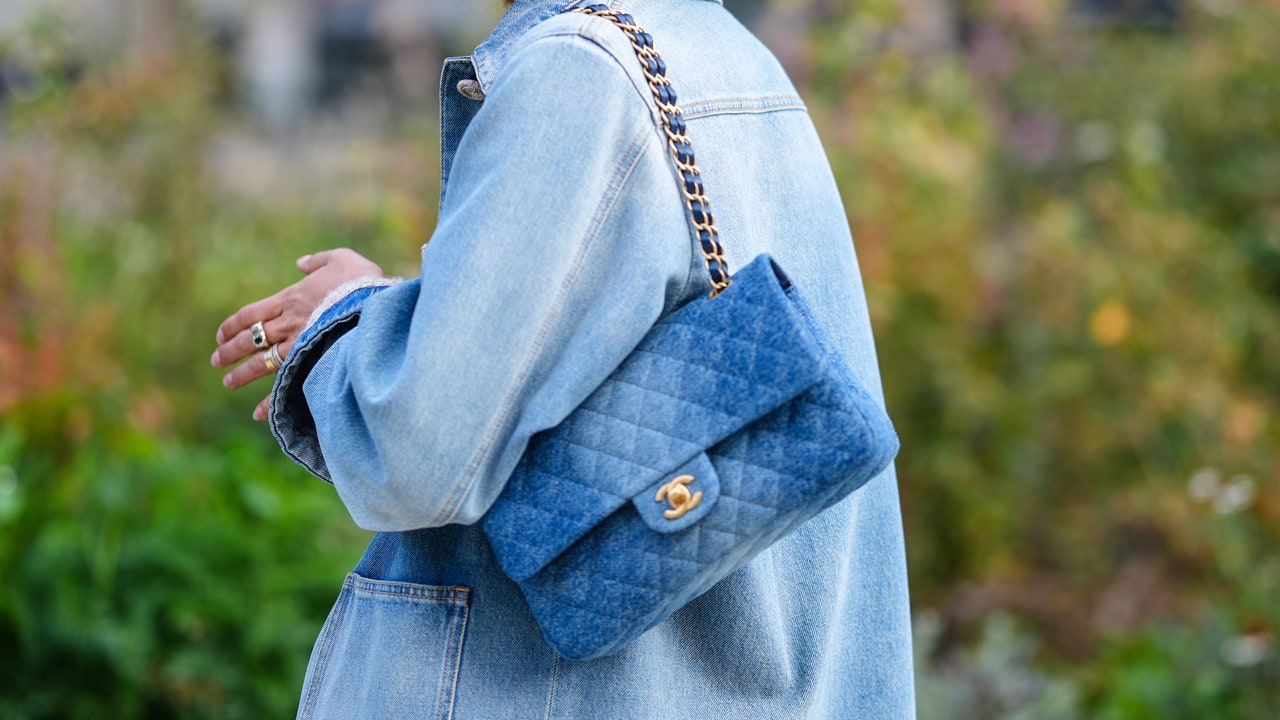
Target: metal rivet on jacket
column 471, row 89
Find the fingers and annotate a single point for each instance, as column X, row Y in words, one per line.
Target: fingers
column 311, row 263
column 272, row 306
column 260, row 412
column 255, row 367
column 341, row 258
column 283, row 316
column 278, row 329
column 248, row 315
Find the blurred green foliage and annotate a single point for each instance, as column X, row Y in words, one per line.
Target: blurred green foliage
column 149, row 577
column 160, row 557
column 1071, row 239
column 1071, row 242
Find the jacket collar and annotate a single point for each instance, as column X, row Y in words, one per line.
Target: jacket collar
column 491, row 55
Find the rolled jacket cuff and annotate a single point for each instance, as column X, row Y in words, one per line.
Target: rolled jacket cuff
column 290, row 417
column 337, row 294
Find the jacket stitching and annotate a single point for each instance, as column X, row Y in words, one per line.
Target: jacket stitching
column 655, row 119
column 741, row 102
column 322, row 664
column 452, row 655
column 622, row 173
column 551, row 686
column 715, row 108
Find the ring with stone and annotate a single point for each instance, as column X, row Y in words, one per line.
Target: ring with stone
column 259, row 335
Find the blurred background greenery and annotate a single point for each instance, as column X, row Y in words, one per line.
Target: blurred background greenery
column 1067, row 214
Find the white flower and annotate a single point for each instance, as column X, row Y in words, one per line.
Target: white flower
column 1204, row 484
column 1236, row 495
column 1245, row 650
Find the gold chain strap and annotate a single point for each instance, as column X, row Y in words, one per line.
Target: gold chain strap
column 673, row 123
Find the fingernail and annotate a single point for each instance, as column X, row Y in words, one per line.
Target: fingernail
column 259, row 415
column 303, row 259
column 226, row 380
column 213, row 359
column 218, row 337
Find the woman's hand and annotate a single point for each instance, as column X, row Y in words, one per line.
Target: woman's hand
column 283, row 317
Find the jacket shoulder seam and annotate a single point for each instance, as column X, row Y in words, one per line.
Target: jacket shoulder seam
column 624, row 63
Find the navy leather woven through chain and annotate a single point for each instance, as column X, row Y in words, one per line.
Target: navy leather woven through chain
column 699, row 207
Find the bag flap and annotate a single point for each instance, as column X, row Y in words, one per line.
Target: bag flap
column 701, row 373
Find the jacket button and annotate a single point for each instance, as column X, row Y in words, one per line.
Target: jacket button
column 471, row 89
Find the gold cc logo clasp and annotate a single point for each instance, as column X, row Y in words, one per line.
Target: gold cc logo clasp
column 681, row 500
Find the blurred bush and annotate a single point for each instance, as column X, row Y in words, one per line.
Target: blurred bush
column 151, row 577
column 1070, row 237
column 1071, row 240
column 160, row 557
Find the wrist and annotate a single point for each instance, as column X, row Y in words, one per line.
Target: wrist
column 345, row 289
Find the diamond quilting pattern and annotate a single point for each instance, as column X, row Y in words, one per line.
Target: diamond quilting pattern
column 744, row 378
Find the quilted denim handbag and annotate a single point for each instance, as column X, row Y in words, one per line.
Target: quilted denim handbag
column 730, row 424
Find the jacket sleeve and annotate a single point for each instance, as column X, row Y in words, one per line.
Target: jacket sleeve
column 416, row 400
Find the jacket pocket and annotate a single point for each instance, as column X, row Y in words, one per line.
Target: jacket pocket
column 387, row 650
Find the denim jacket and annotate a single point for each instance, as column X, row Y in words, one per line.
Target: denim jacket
column 562, row 237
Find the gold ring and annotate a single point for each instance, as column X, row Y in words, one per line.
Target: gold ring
column 259, row 335
column 275, row 355
column 269, row 360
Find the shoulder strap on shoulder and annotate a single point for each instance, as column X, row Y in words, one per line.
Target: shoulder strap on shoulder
column 695, row 195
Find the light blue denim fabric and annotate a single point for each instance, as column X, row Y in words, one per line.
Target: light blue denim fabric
column 562, row 238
